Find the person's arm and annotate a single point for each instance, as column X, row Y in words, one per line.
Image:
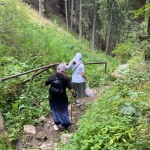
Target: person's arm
column 69, row 86
column 84, row 76
column 74, row 94
column 49, row 80
column 69, row 65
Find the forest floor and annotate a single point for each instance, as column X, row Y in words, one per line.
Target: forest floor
column 45, row 137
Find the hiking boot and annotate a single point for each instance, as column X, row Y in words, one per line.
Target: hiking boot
column 78, row 103
column 56, row 127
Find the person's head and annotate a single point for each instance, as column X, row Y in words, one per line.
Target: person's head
column 77, row 58
column 61, row 68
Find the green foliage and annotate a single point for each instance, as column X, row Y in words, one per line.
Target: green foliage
column 31, row 104
column 128, row 109
column 121, row 22
column 124, row 51
column 120, row 117
column 5, row 144
column 100, row 130
column 144, row 47
column 104, row 135
column 28, row 42
column 143, row 10
column 136, row 76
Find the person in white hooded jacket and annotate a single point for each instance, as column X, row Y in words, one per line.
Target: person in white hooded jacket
column 78, row 76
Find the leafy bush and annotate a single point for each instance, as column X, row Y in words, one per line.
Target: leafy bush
column 124, row 51
column 100, row 130
column 5, row 144
column 120, row 119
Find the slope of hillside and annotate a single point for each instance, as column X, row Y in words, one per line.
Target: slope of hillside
column 28, row 41
column 119, row 119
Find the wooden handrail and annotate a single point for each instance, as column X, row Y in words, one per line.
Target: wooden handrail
column 45, row 68
column 105, row 63
column 20, row 74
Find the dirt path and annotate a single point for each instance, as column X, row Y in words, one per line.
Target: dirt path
column 46, row 138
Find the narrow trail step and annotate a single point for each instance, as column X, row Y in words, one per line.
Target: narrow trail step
column 46, row 138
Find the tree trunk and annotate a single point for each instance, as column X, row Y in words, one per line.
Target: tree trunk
column 72, row 1
column 69, row 13
column 148, row 28
column 76, row 17
column 40, row 8
column 45, row 8
column 108, row 36
column 66, row 14
column 80, row 22
column 94, row 24
column 140, row 4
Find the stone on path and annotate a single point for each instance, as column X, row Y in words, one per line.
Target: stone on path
column 42, row 119
column 65, row 138
column 2, row 123
column 48, row 146
column 29, row 129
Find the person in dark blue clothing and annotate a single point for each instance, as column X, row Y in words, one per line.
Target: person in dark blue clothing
column 59, row 105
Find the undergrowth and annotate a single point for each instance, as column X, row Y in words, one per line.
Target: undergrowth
column 120, row 119
column 28, row 41
column 121, row 115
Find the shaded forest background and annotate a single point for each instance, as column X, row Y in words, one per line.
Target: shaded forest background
column 113, row 19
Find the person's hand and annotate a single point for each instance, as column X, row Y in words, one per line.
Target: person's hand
column 87, row 79
column 74, row 95
column 44, row 84
column 73, row 62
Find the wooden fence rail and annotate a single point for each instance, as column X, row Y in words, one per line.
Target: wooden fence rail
column 43, row 68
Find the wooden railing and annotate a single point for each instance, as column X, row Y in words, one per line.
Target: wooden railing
column 42, row 69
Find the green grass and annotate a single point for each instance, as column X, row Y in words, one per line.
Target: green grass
column 28, row 42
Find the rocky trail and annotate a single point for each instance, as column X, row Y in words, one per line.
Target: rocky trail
column 44, row 137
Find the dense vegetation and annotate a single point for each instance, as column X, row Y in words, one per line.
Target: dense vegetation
column 104, row 22
column 120, row 119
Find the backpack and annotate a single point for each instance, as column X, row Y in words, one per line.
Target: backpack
column 56, row 89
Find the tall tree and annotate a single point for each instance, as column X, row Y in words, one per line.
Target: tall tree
column 69, row 12
column 76, row 16
column 94, row 24
column 66, row 14
column 45, row 5
column 141, row 3
column 40, row 7
column 80, row 22
column 148, row 27
column 72, row 2
column 109, row 29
